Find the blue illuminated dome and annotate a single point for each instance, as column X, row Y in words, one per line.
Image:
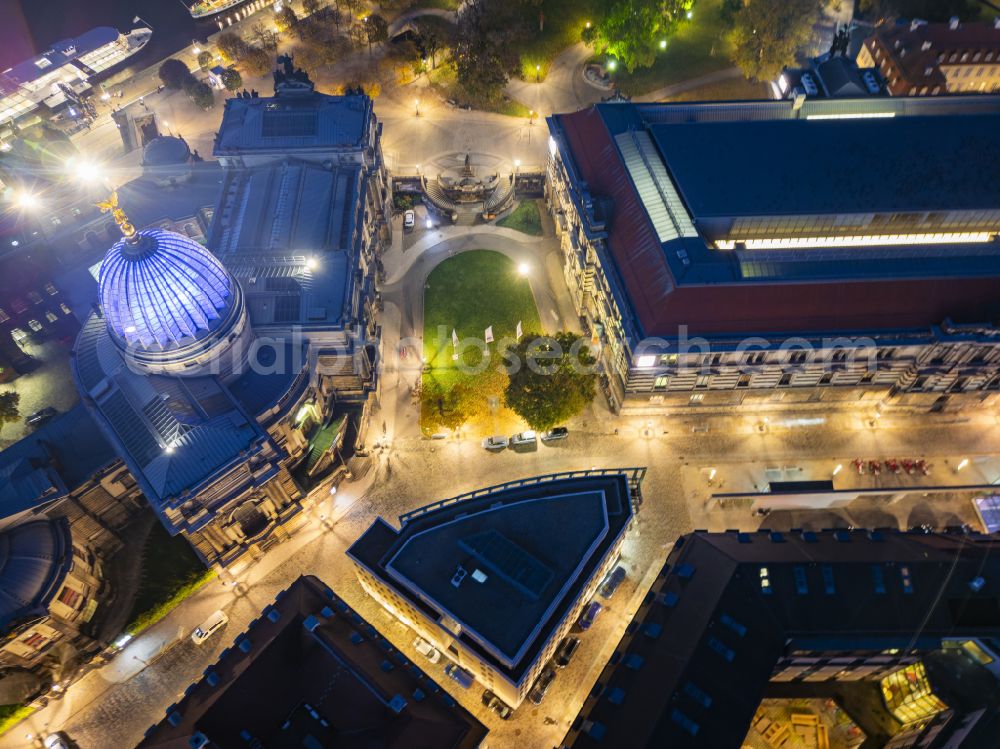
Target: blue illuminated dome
column 169, row 302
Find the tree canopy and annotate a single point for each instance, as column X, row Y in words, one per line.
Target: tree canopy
column 231, row 47
column 767, row 34
column 9, row 403
column 555, row 380
column 485, row 53
column 285, row 18
column 231, row 79
column 174, row 73
column 376, row 29
column 200, row 93
column 632, row 30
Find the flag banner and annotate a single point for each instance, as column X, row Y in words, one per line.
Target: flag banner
column 489, row 334
column 519, row 331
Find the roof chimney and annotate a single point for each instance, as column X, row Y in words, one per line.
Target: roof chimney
column 953, row 23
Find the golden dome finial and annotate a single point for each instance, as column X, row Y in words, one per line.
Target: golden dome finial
column 111, row 204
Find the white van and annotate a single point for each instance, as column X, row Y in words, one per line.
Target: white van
column 427, row 650
column 209, row 627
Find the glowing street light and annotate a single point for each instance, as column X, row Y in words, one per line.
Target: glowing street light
column 84, row 170
column 663, row 44
column 538, row 73
column 416, row 107
column 587, row 25
column 312, row 263
column 429, row 224
column 523, row 269
column 612, row 64
column 961, row 465
column 690, row 14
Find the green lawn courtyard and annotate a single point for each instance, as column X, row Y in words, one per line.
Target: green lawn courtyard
column 468, row 293
column 525, row 218
column 171, row 571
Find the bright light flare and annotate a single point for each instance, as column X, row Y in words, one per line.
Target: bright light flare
column 663, row 44
column 312, row 263
column 27, row 201
column 612, row 64
column 523, row 269
column 84, row 170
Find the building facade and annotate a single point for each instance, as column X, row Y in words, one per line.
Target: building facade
column 225, row 377
column 927, row 59
column 496, row 578
column 713, row 273
column 52, row 586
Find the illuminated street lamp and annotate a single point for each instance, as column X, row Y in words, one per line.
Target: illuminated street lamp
column 587, row 25
column 612, row 64
column 416, row 107
column 312, row 263
column 538, row 73
column 690, row 14
column 531, row 117
column 663, row 44
column 523, row 269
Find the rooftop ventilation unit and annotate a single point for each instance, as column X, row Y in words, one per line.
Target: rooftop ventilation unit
column 479, row 576
column 809, row 84
column 459, row 576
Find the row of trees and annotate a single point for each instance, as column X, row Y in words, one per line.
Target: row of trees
column 555, row 388
column 632, row 31
column 175, row 75
column 767, row 34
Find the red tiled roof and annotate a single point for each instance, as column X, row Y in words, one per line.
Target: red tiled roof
column 632, row 240
column 918, row 66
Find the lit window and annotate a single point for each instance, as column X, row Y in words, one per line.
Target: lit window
column 646, row 361
column 34, row 325
column 50, row 289
column 765, row 581
column 51, row 316
column 65, row 310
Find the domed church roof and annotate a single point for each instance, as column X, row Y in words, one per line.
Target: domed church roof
column 159, row 288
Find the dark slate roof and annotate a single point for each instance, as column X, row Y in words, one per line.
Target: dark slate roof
column 198, row 417
column 538, row 544
column 271, row 377
column 806, row 167
column 317, row 121
column 310, row 672
column 147, row 202
column 166, row 150
column 708, row 628
column 34, row 560
column 683, row 281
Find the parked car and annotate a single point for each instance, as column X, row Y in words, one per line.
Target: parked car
column 40, row 416
column 209, row 627
column 495, row 443
column 427, row 650
column 460, row 675
column 555, row 434
column 537, row 693
column 611, row 582
column 57, row 740
column 523, row 439
column 497, row 705
column 565, row 652
column 409, row 219
column 589, row 614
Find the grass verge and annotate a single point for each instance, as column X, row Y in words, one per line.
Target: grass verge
column 525, row 218
column 171, row 572
column 564, row 24
column 11, row 715
column 735, row 90
column 468, row 293
column 699, row 47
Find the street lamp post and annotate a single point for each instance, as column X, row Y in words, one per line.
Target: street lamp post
column 416, row 107
column 538, row 73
